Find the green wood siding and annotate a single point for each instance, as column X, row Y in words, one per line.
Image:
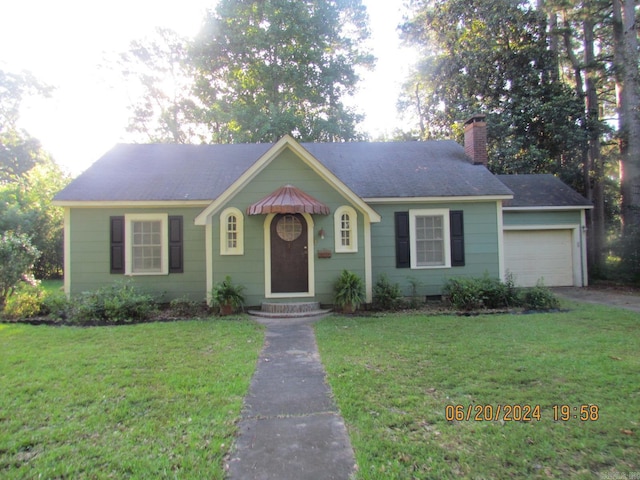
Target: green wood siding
column 542, row 217
column 480, row 240
column 89, row 234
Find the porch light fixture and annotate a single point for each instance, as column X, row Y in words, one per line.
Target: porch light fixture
column 321, row 233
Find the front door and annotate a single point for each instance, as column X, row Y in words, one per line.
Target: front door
column 289, row 250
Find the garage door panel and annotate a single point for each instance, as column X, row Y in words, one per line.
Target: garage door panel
column 534, row 254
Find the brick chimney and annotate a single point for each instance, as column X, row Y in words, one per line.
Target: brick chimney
column 475, row 139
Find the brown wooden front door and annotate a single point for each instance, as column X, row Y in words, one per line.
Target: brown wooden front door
column 289, row 254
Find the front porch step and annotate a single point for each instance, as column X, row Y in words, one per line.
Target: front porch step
column 289, row 310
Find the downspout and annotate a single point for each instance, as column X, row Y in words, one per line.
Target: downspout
column 368, row 270
column 208, row 258
column 67, row 252
column 499, row 213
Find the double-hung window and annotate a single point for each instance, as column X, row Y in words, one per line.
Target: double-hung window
column 148, row 252
column 430, row 245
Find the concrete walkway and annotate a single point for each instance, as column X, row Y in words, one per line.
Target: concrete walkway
column 290, row 427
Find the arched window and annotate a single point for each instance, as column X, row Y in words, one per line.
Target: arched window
column 231, row 232
column 346, row 230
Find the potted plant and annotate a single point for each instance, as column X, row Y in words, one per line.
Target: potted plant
column 226, row 296
column 349, row 291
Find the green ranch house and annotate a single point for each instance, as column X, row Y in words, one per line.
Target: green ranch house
column 285, row 219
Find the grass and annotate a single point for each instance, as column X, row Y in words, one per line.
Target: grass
column 142, row 401
column 394, row 376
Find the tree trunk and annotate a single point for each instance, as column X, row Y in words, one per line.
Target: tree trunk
column 596, row 237
column 585, row 87
column 628, row 93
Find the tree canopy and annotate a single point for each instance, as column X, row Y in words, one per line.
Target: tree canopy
column 256, row 71
column 274, row 67
column 490, row 57
column 19, row 152
column 28, row 178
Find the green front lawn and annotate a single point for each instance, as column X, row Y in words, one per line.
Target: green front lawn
column 394, row 377
column 140, row 401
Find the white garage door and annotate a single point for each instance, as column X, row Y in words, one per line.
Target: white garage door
column 533, row 254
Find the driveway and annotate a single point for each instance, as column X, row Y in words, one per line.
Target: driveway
column 604, row 296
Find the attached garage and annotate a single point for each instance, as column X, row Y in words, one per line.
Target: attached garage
column 531, row 255
column 544, row 232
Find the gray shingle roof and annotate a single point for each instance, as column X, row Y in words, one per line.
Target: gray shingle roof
column 541, row 190
column 157, row 172
column 148, row 172
column 406, row 169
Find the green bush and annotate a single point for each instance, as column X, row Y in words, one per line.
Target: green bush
column 17, row 256
column 386, row 296
column 464, row 293
column 539, row 298
column 56, row 306
column 349, row 291
column 121, row 302
column 498, row 294
column 477, row 293
column 486, row 292
column 227, row 297
column 25, row 302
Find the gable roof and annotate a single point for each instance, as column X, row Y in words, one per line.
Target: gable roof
column 171, row 172
column 541, row 190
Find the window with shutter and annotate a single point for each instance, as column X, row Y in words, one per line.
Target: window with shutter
column 146, row 244
column 429, row 238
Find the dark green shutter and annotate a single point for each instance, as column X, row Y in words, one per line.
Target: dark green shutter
column 176, row 250
column 403, row 251
column 456, row 222
column 116, row 250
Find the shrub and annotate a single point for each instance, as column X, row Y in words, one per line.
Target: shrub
column 56, row 306
column 539, row 298
column 226, row 296
column 486, row 292
column 386, row 296
column 17, row 256
column 497, row 294
column 121, row 302
column 464, row 293
column 349, row 291
column 25, row 302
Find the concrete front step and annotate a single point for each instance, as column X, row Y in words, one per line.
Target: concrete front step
column 289, row 310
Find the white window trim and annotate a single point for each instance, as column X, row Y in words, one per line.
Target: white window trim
column 164, row 236
column 444, row 213
column 337, row 225
column 239, row 248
